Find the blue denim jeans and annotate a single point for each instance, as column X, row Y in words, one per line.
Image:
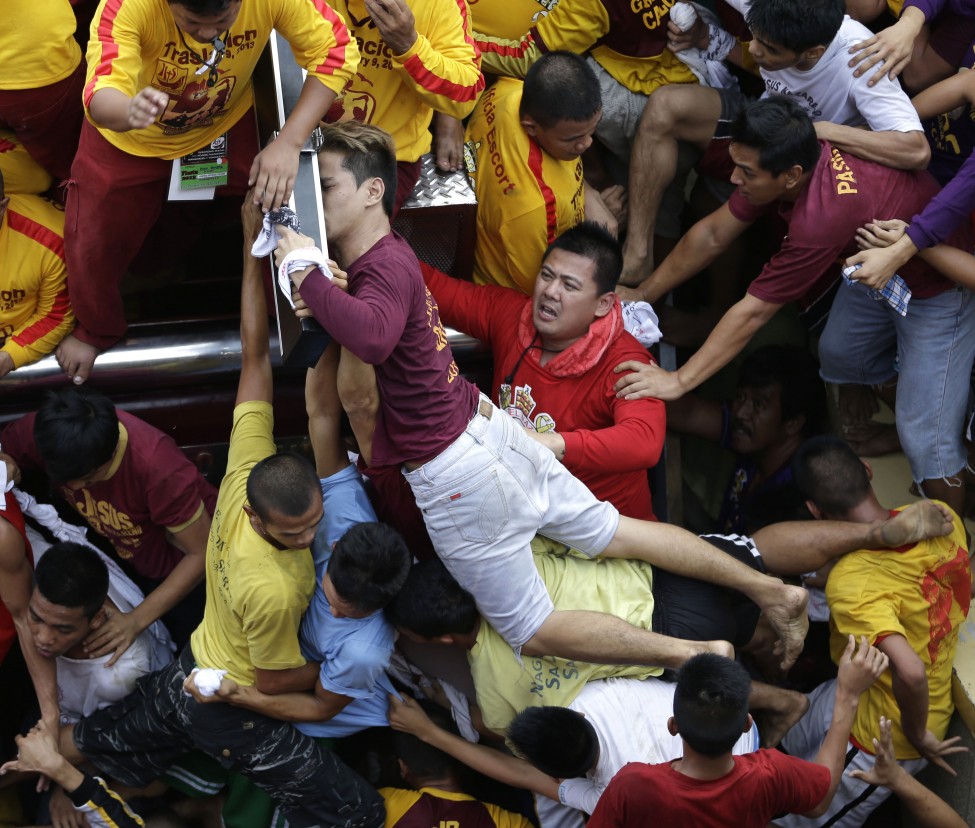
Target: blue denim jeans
column 485, row 497
column 934, row 346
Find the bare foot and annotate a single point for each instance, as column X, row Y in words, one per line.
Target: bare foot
column 921, row 520
column 872, row 439
column 787, row 615
column 777, row 719
column 636, row 268
column 448, row 143
column 76, row 358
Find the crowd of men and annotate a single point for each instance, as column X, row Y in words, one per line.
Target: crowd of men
column 520, row 641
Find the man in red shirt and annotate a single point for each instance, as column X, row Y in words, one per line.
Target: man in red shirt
column 554, row 372
column 708, row 787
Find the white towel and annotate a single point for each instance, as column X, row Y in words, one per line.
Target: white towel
column 298, row 260
column 207, row 680
column 640, row 320
column 707, row 65
column 268, row 238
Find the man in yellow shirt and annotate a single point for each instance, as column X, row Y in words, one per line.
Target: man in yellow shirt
column 259, row 578
column 34, row 310
column 417, row 59
column 523, row 148
column 40, row 87
column 909, row 602
column 166, row 79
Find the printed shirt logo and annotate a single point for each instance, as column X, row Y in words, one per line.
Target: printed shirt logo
column 521, row 406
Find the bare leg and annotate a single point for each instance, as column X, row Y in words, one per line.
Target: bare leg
column 600, row 638
column 682, row 553
column 680, row 112
column 797, row 547
column 360, row 399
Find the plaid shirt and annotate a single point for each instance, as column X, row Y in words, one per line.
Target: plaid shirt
column 895, row 293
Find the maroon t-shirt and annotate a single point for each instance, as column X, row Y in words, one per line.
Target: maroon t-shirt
column 760, row 786
column 389, row 319
column 151, row 487
column 843, row 194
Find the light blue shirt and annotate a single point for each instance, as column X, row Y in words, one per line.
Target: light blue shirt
column 354, row 652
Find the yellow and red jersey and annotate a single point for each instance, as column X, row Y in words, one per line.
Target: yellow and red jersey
column 34, row 311
column 525, row 197
column 136, row 43
column 21, row 173
column 440, row 71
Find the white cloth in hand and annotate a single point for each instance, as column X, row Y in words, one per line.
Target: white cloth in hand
column 267, row 240
column 641, row 322
column 298, row 260
column 207, row 680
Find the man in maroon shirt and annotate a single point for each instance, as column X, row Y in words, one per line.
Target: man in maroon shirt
column 825, row 196
column 484, row 486
column 133, row 486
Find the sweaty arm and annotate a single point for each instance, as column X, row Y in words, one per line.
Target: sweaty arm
column 700, row 246
column 319, row 706
column 900, row 150
column 910, row 685
column 16, row 582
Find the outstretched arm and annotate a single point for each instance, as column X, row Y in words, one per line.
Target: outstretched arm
column 407, row 716
column 256, row 382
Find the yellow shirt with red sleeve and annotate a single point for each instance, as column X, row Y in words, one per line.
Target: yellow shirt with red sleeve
column 37, row 43
column 508, row 19
column 628, row 38
column 432, row 806
column 34, row 311
column 525, row 197
column 440, row 71
column 21, row 173
column 921, row 592
column 136, row 43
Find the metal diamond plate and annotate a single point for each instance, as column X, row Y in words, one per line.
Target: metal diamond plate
column 435, row 189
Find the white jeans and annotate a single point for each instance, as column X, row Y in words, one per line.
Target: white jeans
column 485, row 497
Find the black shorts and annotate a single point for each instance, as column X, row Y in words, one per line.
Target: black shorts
column 698, row 611
column 137, row 739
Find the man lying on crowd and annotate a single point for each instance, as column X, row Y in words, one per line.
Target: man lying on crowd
column 164, row 81
column 910, row 602
column 709, row 785
column 826, row 195
column 268, row 512
column 525, row 142
column 134, row 486
column 35, row 314
column 461, row 455
column 554, row 355
column 432, row 606
column 801, row 51
column 780, row 401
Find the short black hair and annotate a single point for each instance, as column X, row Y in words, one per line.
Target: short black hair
column 424, row 761
column 711, row 703
column 556, row 740
column 593, row 241
column 72, row 575
column 796, row 26
column 560, row 86
column 796, row 372
column 369, row 565
column 204, row 7
column 829, row 473
column 431, row 603
column 75, row 431
column 285, row 483
column 781, row 131
column 369, row 152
